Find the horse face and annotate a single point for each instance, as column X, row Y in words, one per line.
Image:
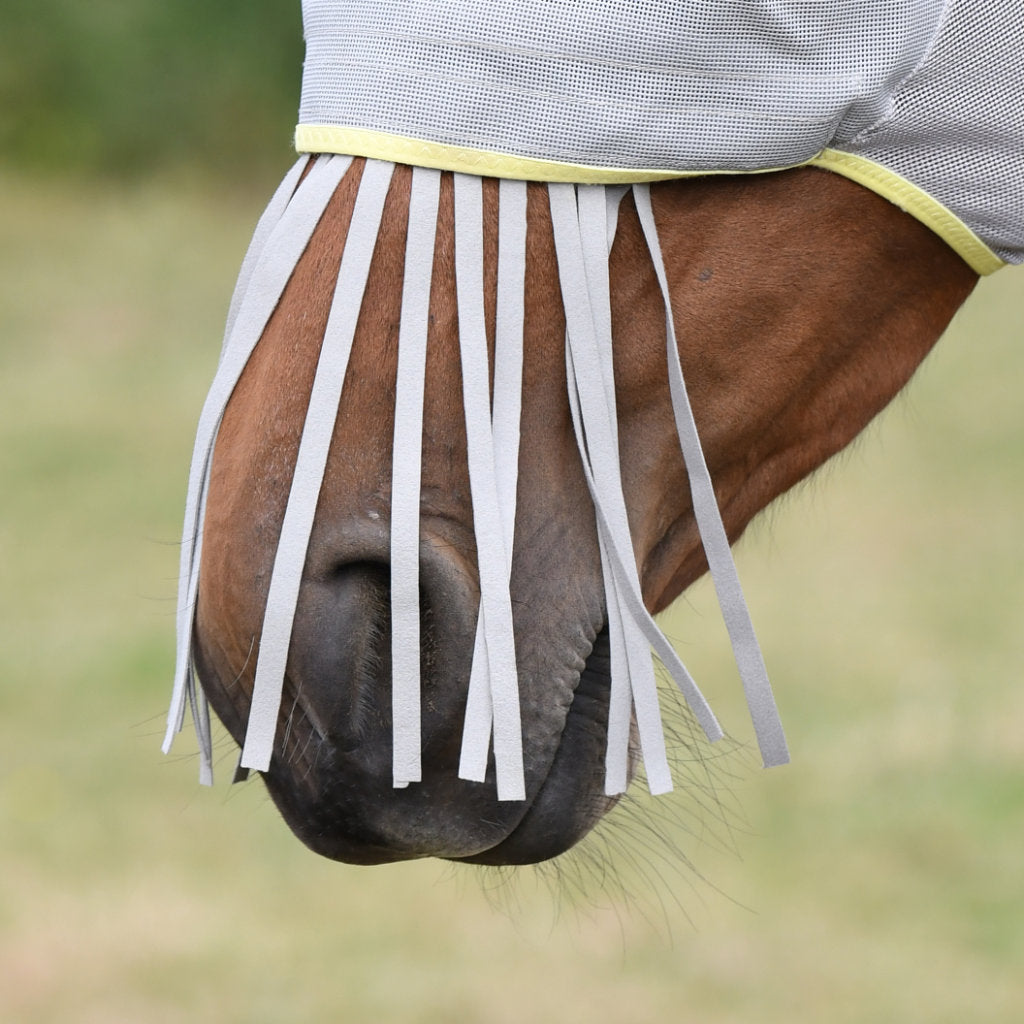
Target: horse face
column 786, row 360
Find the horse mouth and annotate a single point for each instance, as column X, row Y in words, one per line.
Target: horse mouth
column 335, row 791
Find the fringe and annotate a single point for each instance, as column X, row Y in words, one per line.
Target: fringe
column 584, row 220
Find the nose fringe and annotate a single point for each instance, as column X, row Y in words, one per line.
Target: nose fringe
column 582, row 242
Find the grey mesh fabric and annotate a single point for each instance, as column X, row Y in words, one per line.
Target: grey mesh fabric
column 956, row 127
column 926, row 89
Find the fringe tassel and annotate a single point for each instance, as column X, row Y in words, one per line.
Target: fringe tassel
column 311, row 463
column 278, row 243
column 592, row 400
column 505, row 416
column 405, row 476
column 584, row 220
column 493, row 555
column 746, row 650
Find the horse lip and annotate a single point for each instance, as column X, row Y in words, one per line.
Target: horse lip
column 569, row 802
column 320, row 795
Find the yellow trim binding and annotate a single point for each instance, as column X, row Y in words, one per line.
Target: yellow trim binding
column 918, row 203
column 401, row 149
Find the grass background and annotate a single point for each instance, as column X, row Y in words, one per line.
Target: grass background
column 877, row 878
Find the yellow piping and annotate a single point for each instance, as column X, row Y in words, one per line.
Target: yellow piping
column 402, row 149
column 418, row 152
column 918, row 203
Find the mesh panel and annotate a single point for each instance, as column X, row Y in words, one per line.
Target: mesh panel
column 957, row 130
column 924, row 87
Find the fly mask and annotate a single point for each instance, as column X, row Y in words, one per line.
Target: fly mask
column 916, row 100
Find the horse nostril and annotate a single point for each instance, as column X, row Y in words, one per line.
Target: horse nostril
column 363, row 581
column 340, row 657
column 340, row 670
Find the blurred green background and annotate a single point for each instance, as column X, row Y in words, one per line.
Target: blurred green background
column 125, row 87
column 878, row 878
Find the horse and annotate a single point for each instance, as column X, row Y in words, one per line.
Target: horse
column 799, row 304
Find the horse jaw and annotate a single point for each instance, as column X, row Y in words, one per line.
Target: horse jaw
column 803, row 304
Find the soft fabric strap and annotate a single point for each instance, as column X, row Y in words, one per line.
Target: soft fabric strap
column 767, row 725
column 264, row 228
column 597, row 439
column 507, row 407
column 281, row 237
column 492, row 555
column 633, row 682
column 311, row 463
column 406, row 472
column 620, row 698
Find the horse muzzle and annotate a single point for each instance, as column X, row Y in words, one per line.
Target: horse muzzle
column 331, row 773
